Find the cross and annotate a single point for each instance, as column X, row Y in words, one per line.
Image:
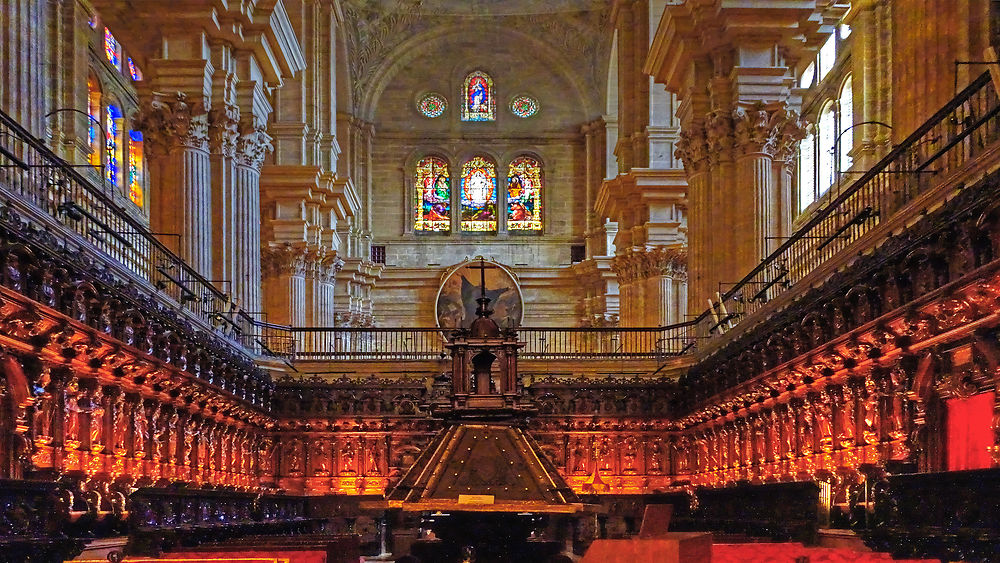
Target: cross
column 483, row 310
column 482, row 267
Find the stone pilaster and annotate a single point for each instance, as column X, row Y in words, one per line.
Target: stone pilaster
column 175, row 132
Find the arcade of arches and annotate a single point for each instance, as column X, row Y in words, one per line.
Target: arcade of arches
column 266, row 265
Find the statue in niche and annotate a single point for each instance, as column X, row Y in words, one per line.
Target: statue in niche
column 374, row 459
column 788, row 432
column 656, row 456
column 293, row 453
column 267, row 456
column 347, row 455
column 71, row 428
column 759, row 440
column 869, row 406
column 848, row 419
column 805, row 428
column 629, row 455
column 321, row 453
column 607, row 454
column 580, row 457
column 96, row 421
column 190, row 450
column 824, row 424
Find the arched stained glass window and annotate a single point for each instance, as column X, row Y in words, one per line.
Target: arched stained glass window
column 94, row 111
column 846, row 121
column 133, row 69
column 479, row 195
column 478, row 98
column 432, row 189
column 113, row 146
column 826, row 133
column 135, row 168
column 112, row 50
column 524, row 195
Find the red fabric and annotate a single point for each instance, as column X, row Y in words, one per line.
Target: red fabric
column 291, row 556
column 790, row 552
column 970, row 432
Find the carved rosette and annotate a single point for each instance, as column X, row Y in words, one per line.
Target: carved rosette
column 169, row 121
column 253, row 144
column 634, row 265
column 223, row 129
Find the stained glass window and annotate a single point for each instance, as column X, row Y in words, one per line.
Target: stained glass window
column 524, row 195
column 432, row 190
column 112, row 49
column 432, row 105
column 135, row 167
column 479, row 195
column 94, row 111
column 478, row 98
column 133, row 70
column 112, row 126
column 524, row 106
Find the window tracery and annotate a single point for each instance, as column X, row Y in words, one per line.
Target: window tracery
column 432, row 105
column 524, row 195
column 478, row 97
column 479, row 195
column 524, row 106
column 432, row 187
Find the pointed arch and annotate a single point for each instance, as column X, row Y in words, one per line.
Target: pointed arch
column 479, row 195
column 432, row 195
column 524, row 194
column 478, row 97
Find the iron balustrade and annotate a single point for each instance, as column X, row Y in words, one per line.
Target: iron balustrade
column 401, row 344
column 945, row 144
column 32, row 173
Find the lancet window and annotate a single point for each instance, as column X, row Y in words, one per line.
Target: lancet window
column 478, row 98
column 486, row 201
column 432, row 192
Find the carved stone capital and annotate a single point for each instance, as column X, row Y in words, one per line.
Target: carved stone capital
column 253, row 144
column 772, row 131
column 223, row 129
column 643, row 264
column 283, row 259
column 719, row 135
column 692, row 148
column 169, row 121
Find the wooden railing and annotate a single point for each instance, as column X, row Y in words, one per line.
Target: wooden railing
column 951, row 139
column 429, row 343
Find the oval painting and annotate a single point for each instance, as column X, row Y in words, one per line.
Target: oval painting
column 456, row 299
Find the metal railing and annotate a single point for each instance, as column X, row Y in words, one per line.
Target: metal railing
column 958, row 133
column 31, row 172
column 429, row 343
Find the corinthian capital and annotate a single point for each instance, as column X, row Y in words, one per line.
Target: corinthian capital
column 223, row 129
column 773, row 131
column 253, row 145
column 288, row 259
column 170, row 121
column 719, row 135
column 692, row 148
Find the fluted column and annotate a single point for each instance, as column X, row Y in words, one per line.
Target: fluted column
column 692, row 149
column 284, row 268
column 175, row 130
column 253, row 144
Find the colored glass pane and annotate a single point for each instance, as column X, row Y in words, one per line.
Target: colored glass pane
column 432, row 187
column 112, row 49
column 524, row 106
column 94, row 111
column 478, row 98
column 135, row 168
column 432, row 105
column 133, row 70
column 113, row 145
column 479, row 195
column 524, row 195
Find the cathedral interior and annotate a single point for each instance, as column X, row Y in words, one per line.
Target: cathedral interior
column 505, row 280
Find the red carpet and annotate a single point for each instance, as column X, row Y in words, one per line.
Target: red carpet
column 792, row 552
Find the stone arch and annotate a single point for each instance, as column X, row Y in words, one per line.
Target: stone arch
column 421, row 43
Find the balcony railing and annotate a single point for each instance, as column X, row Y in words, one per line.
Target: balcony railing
column 31, row 172
column 950, row 140
column 429, row 343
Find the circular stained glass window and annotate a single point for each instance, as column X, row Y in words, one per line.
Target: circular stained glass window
column 524, row 106
column 432, row 105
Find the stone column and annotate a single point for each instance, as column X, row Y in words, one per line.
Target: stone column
column 253, row 144
column 175, row 130
column 284, row 269
column 692, row 149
